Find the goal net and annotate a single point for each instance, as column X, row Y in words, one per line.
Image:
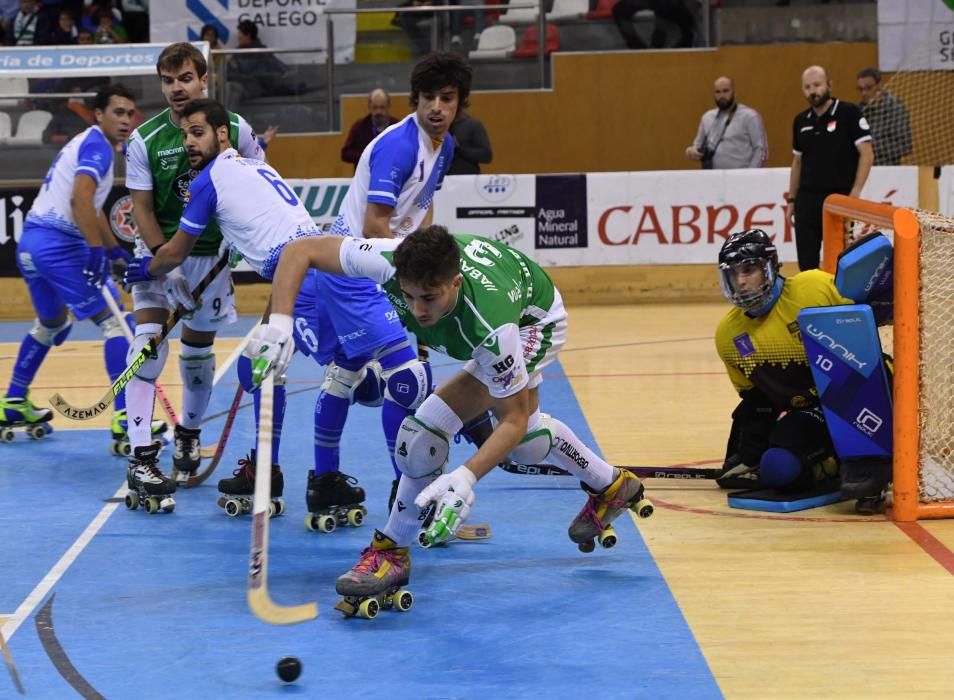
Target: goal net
column 919, row 341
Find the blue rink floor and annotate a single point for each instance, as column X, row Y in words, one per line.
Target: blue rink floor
column 154, row 606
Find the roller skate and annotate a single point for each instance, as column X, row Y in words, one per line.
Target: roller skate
column 186, row 455
column 238, row 492
column 376, row 581
column 120, row 442
column 601, row 509
column 333, row 499
column 148, row 486
column 21, row 413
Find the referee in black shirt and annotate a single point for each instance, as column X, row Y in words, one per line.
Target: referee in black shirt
column 833, row 154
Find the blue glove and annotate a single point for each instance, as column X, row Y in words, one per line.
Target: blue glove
column 97, row 267
column 119, row 259
column 137, row 271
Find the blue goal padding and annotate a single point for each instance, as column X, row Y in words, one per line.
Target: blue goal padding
column 772, row 501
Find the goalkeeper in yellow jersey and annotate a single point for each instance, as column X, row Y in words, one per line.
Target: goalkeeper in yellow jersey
column 779, row 438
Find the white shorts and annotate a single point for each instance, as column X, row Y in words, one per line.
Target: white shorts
column 541, row 343
column 217, row 303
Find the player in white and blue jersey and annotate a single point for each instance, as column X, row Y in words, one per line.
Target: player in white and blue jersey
column 66, row 250
column 356, row 333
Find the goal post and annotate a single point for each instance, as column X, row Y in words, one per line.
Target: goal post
column 923, row 461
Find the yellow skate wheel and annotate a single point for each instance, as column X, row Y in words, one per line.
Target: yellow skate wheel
column 132, row 500
column 608, row 538
column 114, row 448
column 6, row 435
column 403, row 600
column 327, row 523
column 151, row 505
column 311, row 522
column 643, row 508
column 233, row 507
column 37, row 432
column 125, row 449
column 355, row 517
column 587, row 546
column 276, row 508
column 369, row 608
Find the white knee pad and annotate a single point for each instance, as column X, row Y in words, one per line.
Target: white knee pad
column 51, row 336
column 197, row 370
column 409, row 384
column 110, row 327
column 354, row 386
column 151, row 368
column 420, row 449
column 538, row 441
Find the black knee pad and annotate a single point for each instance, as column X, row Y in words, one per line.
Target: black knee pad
column 804, row 433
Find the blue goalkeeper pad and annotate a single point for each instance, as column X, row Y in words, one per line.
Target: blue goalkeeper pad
column 772, row 501
column 844, row 353
column 866, row 269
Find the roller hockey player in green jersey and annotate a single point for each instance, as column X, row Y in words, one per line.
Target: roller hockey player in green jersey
column 487, row 304
column 159, row 175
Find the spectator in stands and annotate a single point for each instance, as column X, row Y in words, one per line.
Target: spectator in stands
column 673, row 10
column 887, row 117
column 30, row 26
column 65, row 32
column 107, row 31
column 833, row 154
column 731, row 135
column 136, row 19
column 471, row 145
column 267, row 136
column 92, row 10
column 84, row 36
column 457, row 19
column 257, row 74
column 417, row 25
column 210, row 34
column 69, row 119
column 364, row 130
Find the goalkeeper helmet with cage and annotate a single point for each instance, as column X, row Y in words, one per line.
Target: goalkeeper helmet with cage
column 745, row 249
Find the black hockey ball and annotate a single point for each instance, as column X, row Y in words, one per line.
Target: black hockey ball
column 288, row 668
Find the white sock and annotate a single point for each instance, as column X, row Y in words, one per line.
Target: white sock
column 405, row 520
column 571, row 454
column 197, row 369
column 140, row 399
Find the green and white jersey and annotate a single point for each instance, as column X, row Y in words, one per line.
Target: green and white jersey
column 156, row 160
column 506, row 314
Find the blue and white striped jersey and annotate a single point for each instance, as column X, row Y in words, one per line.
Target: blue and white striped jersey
column 87, row 153
column 400, row 168
column 256, row 210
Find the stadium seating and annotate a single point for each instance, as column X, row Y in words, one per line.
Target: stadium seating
column 12, row 86
column 30, row 128
column 520, row 15
column 4, row 127
column 529, row 46
column 568, row 10
column 495, row 42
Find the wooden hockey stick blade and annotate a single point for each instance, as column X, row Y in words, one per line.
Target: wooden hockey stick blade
column 65, row 408
column 641, row 472
column 220, row 446
column 160, row 392
column 259, row 602
column 8, row 660
column 474, row 532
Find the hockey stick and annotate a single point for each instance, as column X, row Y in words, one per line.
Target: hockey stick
column 641, row 472
column 220, row 446
column 233, row 356
column 258, row 599
column 8, row 660
column 163, row 399
column 65, row 408
column 474, row 532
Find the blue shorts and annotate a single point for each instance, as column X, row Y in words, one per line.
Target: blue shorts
column 52, row 263
column 340, row 317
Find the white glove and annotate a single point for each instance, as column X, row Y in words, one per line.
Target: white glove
column 177, row 289
column 270, row 347
column 454, row 495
